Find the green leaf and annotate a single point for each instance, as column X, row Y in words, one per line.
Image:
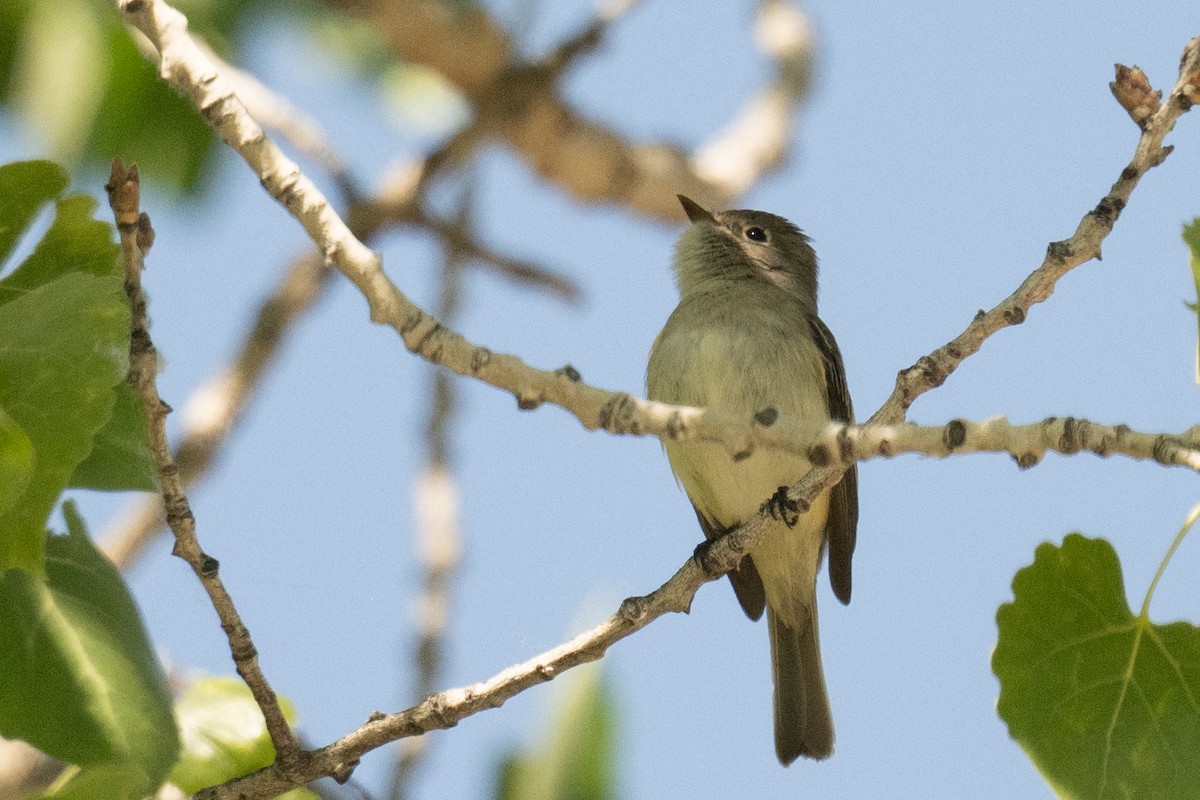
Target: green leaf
column 63, row 347
column 75, row 242
column 16, row 461
column 224, row 735
column 81, row 681
column 120, row 458
column 1191, row 236
column 578, row 763
column 25, row 188
column 1105, row 703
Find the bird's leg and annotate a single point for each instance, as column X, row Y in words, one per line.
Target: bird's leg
column 701, row 555
column 782, row 508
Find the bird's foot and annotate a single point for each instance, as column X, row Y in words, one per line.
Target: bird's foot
column 782, row 508
column 702, row 555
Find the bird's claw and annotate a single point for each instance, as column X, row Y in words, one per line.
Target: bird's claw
column 782, row 508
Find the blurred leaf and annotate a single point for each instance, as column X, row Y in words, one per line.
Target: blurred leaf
column 81, row 681
column 63, row 347
column 144, row 120
column 422, row 98
column 59, row 77
column 110, row 781
column 16, row 461
column 120, row 457
column 1104, row 703
column 1191, row 236
column 578, row 761
column 76, row 79
column 224, row 735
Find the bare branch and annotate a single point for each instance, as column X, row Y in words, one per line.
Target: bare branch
column 842, row 445
column 136, row 236
column 439, row 539
column 1061, row 257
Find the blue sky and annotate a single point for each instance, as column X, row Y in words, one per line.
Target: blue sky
column 944, row 145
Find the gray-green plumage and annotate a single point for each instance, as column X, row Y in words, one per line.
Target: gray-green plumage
column 746, row 337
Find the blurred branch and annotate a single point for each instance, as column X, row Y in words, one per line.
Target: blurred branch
column 25, row 771
column 757, row 140
column 439, row 541
column 137, row 235
column 517, row 102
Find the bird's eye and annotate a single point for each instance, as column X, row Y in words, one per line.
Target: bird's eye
column 756, row 234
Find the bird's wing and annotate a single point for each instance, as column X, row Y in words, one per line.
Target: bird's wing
column 747, row 584
column 842, row 527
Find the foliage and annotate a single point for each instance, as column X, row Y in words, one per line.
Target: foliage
column 224, row 735
column 64, row 351
column 578, row 759
column 1107, row 704
column 81, row 681
column 1191, row 237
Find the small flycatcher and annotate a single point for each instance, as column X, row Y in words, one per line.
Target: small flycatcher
column 746, row 338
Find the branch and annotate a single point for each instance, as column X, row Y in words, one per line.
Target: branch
column 137, row 235
column 1061, row 257
column 517, row 102
column 439, row 540
column 213, row 411
column 842, row 445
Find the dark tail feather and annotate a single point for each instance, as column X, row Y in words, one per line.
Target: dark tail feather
column 803, row 721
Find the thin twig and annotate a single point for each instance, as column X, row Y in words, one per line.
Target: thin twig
column 1061, row 257
column 439, row 540
column 136, row 236
column 214, row 410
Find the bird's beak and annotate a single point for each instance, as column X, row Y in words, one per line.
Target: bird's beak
column 695, row 212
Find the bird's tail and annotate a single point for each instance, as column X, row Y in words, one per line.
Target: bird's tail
column 803, row 721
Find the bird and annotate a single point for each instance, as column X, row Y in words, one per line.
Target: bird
column 746, row 339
